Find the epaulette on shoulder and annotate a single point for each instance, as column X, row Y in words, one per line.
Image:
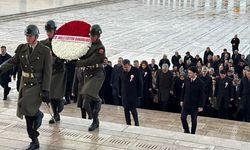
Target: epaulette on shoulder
column 19, row 47
column 46, row 46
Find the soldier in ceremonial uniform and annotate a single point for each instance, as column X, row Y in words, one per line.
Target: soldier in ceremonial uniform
column 58, row 79
column 36, row 64
column 94, row 76
column 77, row 86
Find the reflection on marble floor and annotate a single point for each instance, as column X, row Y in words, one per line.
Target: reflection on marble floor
column 210, row 127
column 71, row 133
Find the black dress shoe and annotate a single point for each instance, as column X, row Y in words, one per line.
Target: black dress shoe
column 5, row 98
column 93, row 126
column 38, row 121
column 54, row 120
column 33, row 145
column 67, row 102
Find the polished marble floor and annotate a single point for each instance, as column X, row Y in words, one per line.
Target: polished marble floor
column 10, row 7
column 156, row 128
column 71, row 133
column 142, row 29
column 145, row 29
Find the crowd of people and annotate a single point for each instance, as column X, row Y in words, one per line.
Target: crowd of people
column 162, row 86
column 215, row 86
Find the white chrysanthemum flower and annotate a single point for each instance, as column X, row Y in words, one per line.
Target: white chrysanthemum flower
column 70, row 47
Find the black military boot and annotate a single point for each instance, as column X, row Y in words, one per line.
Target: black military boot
column 60, row 105
column 55, row 119
column 38, row 122
column 8, row 90
column 56, row 116
column 94, row 125
column 96, row 109
column 34, row 144
column 52, row 121
column 83, row 112
column 5, row 97
column 88, row 110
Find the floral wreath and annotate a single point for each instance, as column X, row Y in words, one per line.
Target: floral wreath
column 72, row 40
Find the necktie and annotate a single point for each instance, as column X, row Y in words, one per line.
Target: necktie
column 30, row 49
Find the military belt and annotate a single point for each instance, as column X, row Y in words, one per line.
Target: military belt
column 38, row 76
column 94, row 66
column 28, row 74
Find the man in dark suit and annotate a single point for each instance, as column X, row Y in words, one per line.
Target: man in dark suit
column 131, row 89
column 236, row 58
column 114, row 80
column 208, row 89
column 175, row 59
column 106, row 90
column 5, row 78
column 153, row 66
column 223, row 94
column 192, row 99
column 235, row 43
column 225, row 55
column 206, row 54
column 164, row 86
column 244, row 93
column 164, row 60
column 188, row 57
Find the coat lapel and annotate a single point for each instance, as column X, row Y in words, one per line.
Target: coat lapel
column 25, row 53
column 35, row 54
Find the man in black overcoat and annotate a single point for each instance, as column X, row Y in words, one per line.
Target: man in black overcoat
column 175, row 59
column 114, row 81
column 208, row 87
column 235, row 43
column 164, row 60
column 223, row 94
column 192, row 99
column 5, row 78
column 244, row 93
column 106, row 89
column 164, row 86
column 206, row 54
column 131, row 89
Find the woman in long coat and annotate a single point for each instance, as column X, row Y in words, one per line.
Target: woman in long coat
column 147, row 85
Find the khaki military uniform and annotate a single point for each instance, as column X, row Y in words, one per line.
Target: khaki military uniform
column 36, row 76
column 78, row 84
column 94, row 72
column 58, row 79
